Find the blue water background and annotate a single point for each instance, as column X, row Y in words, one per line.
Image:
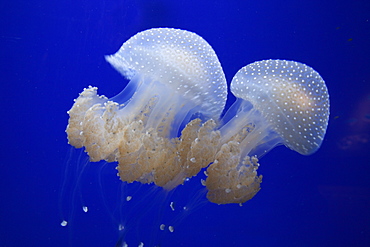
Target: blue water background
column 51, row 50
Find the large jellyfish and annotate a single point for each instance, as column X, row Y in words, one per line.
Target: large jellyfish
column 175, row 77
column 278, row 102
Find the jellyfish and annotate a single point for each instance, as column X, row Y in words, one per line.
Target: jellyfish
column 176, row 93
column 278, row 102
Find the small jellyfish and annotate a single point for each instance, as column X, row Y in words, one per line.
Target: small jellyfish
column 176, row 84
column 278, row 102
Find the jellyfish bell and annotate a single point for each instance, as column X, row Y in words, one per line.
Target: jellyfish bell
column 278, row 102
column 173, row 75
column 179, row 64
column 291, row 97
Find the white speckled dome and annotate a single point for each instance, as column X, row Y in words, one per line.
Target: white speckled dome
column 180, row 59
column 291, row 96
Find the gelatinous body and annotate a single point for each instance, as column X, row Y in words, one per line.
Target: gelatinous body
column 279, row 102
column 174, row 74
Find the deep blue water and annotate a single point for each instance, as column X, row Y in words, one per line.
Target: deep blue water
column 51, row 50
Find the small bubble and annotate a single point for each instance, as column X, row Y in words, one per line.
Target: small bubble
column 64, row 223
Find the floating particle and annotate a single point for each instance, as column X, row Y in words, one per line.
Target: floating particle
column 121, row 227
